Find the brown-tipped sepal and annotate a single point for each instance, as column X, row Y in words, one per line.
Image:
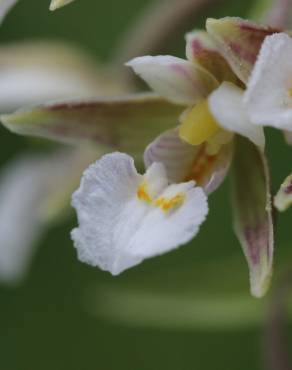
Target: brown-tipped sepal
column 239, row 41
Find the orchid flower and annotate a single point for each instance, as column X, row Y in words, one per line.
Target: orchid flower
column 188, row 129
column 214, row 113
column 154, row 200
column 33, row 73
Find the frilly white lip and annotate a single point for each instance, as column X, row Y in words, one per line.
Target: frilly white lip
column 125, row 217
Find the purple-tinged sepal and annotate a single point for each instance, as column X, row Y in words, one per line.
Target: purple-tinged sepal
column 252, row 211
column 185, row 162
column 239, row 41
column 128, row 123
column 202, row 49
column 176, row 155
column 176, row 79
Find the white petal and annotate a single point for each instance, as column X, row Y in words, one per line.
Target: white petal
column 21, row 86
column 33, row 73
column 226, row 105
column 121, row 223
column 176, row 155
column 21, row 191
column 175, row 79
column 268, row 96
column 33, row 191
column 56, row 4
column 5, row 6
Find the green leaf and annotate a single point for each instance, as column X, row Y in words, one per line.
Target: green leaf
column 201, row 312
column 191, row 295
column 252, row 211
column 128, row 123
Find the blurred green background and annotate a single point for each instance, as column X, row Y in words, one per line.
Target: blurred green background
column 189, row 309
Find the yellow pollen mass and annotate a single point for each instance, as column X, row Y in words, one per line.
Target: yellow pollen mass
column 198, row 125
column 167, row 204
column 143, row 194
column 290, row 92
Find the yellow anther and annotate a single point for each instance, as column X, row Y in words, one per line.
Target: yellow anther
column 143, row 194
column 198, row 125
column 290, row 93
column 167, row 204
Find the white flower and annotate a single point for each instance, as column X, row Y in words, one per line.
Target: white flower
column 209, row 106
column 125, row 217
